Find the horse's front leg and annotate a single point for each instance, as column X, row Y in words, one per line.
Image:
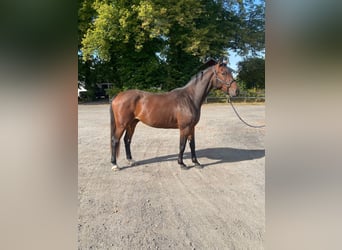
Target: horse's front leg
column 182, row 144
column 191, row 139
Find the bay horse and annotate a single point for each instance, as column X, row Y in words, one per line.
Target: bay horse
column 177, row 109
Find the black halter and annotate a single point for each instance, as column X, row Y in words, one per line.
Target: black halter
column 224, row 82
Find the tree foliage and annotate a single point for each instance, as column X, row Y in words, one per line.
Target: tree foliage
column 152, row 43
column 252, row 72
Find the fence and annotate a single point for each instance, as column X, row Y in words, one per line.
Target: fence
column 212, row 99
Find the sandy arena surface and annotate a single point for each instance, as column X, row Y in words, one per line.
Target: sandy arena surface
column 156, row 205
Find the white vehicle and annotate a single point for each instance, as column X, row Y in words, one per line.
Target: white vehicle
column 81, row 88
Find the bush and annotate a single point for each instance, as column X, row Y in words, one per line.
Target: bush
column 113, row 91
column 217, row 93
column 90, row 95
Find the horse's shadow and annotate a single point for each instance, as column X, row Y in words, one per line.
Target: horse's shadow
column 218, row 155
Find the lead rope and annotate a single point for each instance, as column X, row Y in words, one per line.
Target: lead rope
column 253, row 126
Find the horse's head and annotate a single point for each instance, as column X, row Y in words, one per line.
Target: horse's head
column 223, row 80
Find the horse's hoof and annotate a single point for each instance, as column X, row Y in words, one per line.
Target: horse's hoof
column 132, row 163
column 115, row 168
column 183, row 166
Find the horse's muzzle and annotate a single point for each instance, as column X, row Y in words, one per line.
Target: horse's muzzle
column 233, row 93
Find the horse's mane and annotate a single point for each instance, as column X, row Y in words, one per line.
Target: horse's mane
column 194, row 79
column 201, row 73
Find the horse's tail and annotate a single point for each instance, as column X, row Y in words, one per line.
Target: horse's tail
column 112, row 129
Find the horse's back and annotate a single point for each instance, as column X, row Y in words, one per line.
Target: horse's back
column 146, row 98
column 165, row 110
column 126, row 99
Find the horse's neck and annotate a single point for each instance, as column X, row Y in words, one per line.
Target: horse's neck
column 200, row 88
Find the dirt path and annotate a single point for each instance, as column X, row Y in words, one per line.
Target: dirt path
column 156, row 205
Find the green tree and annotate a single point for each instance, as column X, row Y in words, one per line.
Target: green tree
column 152, row 43
column 252, row 72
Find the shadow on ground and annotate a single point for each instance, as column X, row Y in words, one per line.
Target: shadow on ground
column 218, row 155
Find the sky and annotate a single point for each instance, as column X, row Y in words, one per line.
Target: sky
column 234, row 59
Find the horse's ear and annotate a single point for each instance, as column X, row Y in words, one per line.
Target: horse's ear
column 223, row 62
column 210, row 62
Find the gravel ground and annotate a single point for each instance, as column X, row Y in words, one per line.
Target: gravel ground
column 156, row 205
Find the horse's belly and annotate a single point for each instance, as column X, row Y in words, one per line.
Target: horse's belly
column 159, row 123
column 158, row 111
column 164, row 125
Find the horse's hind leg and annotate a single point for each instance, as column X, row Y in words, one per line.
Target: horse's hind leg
column 128, row 139
column 116, row 146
